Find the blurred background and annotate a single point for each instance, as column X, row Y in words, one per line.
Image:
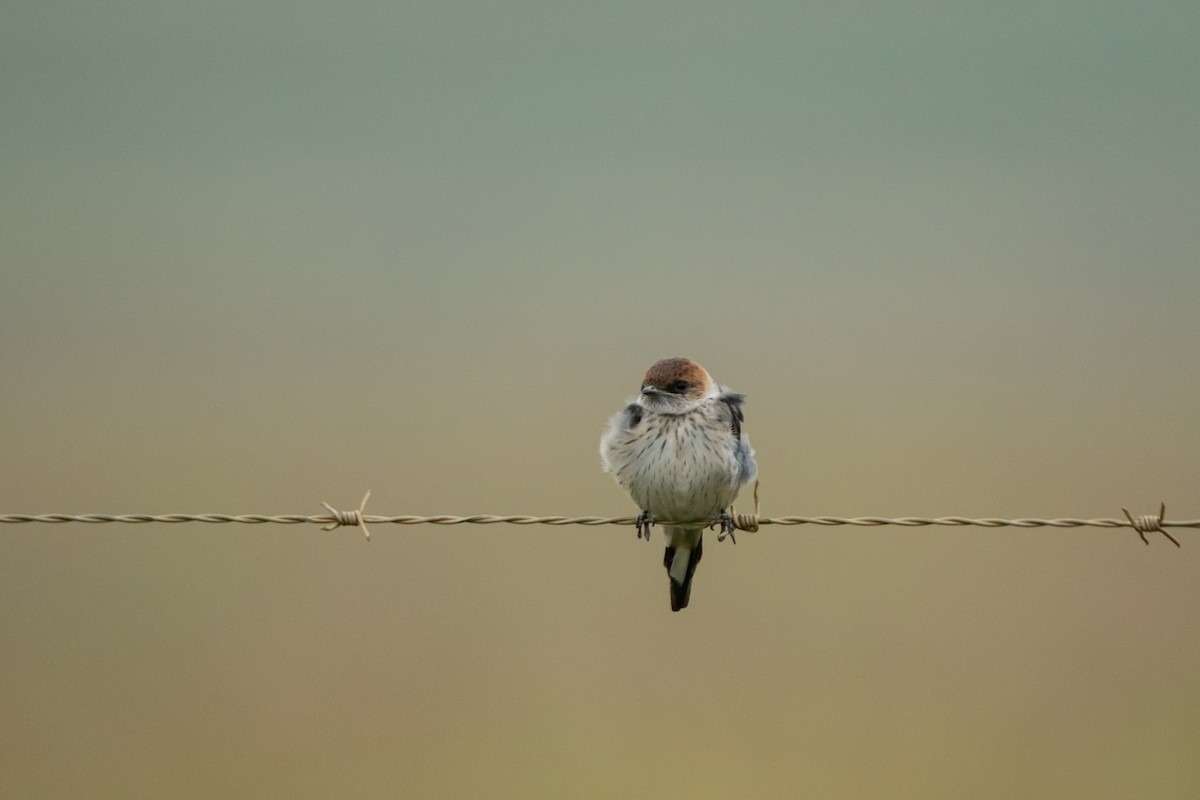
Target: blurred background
column 258, row 255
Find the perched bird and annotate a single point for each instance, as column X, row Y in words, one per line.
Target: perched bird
column 680, row 452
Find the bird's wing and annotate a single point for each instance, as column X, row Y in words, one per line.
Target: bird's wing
column 734, row 402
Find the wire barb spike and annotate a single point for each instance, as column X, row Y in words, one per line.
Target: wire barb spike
column 1148, row 523
column 355, row 517
column 743, row 522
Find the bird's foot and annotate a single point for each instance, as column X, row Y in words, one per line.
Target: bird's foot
column 724, row 521
column 642, row 522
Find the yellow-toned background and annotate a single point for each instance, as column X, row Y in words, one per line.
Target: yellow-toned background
column 259, row 255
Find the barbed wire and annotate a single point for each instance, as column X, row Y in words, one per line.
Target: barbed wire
column 1144, row 524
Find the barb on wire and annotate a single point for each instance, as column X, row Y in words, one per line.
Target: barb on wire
column 349, row 517
column 1148, row 523
column 746, row 522
column 742, row 522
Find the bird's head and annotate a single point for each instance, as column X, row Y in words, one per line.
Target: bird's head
column 675, row 386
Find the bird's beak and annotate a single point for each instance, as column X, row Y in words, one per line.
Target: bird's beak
column 651, row 390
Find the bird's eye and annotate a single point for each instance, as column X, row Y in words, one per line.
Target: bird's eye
column 678, row 387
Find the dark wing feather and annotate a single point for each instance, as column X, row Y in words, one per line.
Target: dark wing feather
column 734, row 401
column 633, row 416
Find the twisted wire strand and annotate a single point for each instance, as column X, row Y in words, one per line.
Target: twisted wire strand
column 1143, row 524
column 521, row 519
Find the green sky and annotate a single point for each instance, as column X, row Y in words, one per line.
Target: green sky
column 258, row 255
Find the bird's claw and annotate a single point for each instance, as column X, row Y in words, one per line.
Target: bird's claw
column 642, row 523
column 725, row 521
